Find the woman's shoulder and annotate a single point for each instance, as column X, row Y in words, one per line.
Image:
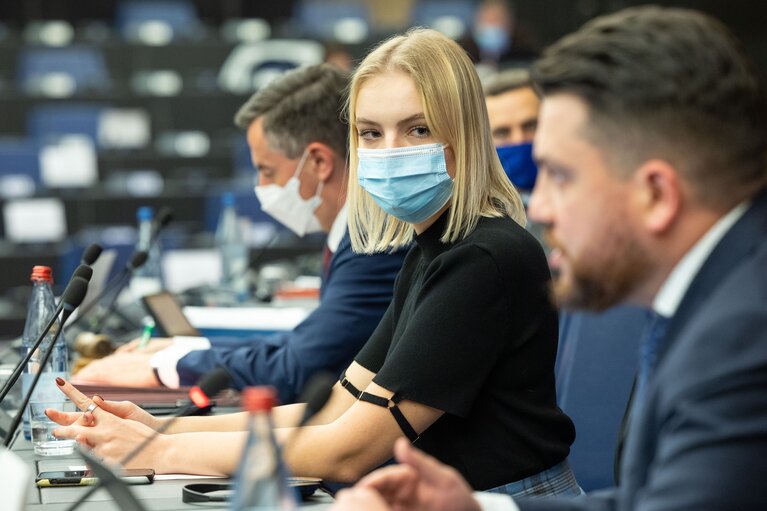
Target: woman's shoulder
column 504, row 238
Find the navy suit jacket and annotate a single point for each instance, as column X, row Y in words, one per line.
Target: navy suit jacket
column 698, row 441
column 354, row 296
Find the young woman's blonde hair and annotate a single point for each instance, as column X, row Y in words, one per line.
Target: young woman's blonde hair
column 456, row 114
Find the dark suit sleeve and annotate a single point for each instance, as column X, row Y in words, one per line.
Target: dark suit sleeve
column 355, row 296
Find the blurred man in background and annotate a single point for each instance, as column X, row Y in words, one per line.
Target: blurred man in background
column 512, row 107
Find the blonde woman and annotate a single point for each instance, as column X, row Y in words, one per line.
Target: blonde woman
column 462, row 362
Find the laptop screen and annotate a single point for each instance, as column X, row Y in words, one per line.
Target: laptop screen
column 168, row 317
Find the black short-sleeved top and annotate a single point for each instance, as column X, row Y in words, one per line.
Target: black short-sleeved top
column 471, row 331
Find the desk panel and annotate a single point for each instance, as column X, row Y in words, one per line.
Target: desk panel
column 158, row 496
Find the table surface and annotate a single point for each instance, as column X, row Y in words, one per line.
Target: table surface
column 158, row 496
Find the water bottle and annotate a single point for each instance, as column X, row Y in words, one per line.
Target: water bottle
column 261, row 482
column 147, row 279
column 40, row 309
column 233, row 250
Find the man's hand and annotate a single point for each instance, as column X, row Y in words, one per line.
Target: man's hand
column 355, row 499
column 153, row 346
column 129, row 369
column 419, row 483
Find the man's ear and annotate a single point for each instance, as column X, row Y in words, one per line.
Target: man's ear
column 322, row 159
column 658, row 194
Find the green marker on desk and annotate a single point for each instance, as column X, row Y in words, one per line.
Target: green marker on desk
column 146, row 334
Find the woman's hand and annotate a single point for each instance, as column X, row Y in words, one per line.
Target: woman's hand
column 112, row 439
column 121, row 409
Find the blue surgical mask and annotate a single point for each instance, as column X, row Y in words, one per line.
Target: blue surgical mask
column 493, row 39
column 409, row 183
column 517, row 161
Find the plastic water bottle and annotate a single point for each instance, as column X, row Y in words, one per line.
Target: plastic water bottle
column 261, row 478
column 233, row 250
column 40, row 309
column 148, row 278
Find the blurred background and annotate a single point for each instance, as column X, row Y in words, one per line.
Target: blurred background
column 109, row 105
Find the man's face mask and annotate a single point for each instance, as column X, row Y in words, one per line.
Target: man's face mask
column 517, row 161
column 285, row 204
column 409, row 183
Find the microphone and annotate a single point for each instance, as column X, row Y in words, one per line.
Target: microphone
column 114, row 286
column 316, row 394
column 199, row 397
column 70, row 300
column 91, row 254
column 161, row 221
column 137, row 261
column 82, row 273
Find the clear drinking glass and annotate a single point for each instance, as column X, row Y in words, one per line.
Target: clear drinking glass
column 44, row 442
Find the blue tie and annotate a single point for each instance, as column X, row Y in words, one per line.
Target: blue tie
column 648, row 351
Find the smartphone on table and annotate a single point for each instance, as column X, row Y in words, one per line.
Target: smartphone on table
column 85, row 477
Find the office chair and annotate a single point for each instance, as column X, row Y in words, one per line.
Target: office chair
column 595, row 370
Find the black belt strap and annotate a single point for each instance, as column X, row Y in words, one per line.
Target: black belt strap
column 391, row 404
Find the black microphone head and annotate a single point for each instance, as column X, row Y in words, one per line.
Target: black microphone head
column 91, row 254
column 74, row 294
column 164, row 217
column 209, row 385
column 214, row 381
column 84, row 271
column 316, row 393
column 138, row 260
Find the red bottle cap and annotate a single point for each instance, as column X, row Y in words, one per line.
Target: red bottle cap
column 42, row 273
column 258, row 399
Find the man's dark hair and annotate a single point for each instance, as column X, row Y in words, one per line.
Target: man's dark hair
column 506, row 81
column 667, row 83
column 300, row 107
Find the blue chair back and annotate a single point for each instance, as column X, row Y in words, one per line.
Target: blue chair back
column 83, row 64
column 595, row 370
column 180, row 15
column 427, row 11
column 319, row 17
column 19, row 157
column 54, row 120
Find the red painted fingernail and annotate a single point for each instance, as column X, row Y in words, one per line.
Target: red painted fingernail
column 60, row 382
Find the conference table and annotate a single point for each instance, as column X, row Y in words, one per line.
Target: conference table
column 161, row 495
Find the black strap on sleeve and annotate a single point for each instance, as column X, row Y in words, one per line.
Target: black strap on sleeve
column 391, row 404
column 349, row 386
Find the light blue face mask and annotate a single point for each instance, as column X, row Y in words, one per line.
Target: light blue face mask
column 409, row 183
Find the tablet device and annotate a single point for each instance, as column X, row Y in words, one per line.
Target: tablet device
column 169, row 318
